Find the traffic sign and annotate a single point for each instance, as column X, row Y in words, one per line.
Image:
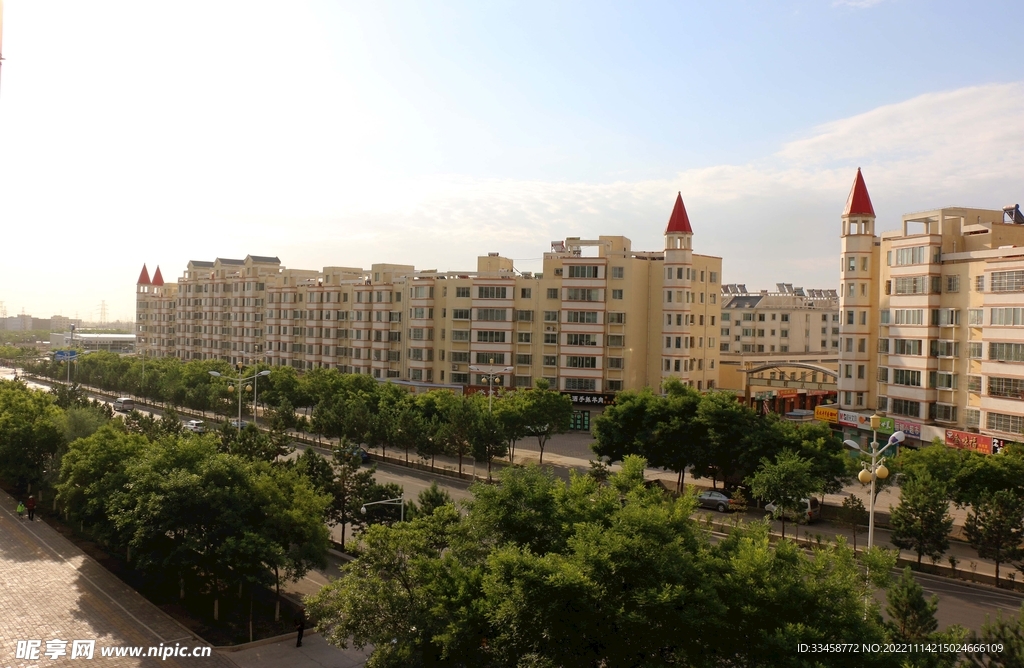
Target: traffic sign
column 65, row 355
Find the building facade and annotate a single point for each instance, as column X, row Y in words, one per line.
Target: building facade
column 931, row 328
column 598, row 319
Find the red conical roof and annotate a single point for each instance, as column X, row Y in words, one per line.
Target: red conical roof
column 859, row 203
column 157, row 278
column 679, row 222
column 143, row 277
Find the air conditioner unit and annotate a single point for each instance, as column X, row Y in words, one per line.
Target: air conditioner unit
column 550, row 328
column 455, row 367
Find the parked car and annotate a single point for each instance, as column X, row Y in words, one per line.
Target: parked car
column 196, row 426
column 124, row 405
column 810, row 512
column 357, row 451
column 715, row 500
column 239, row 424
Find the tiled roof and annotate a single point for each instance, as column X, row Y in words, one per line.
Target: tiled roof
column 859, row 203
column 143, row 277
column 679, row 222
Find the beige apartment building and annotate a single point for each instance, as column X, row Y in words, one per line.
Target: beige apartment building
column 793, row 331
column 600, row 318
column 155, row 315
column 931, row 323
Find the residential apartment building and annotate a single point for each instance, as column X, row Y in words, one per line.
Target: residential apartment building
column 598, row 319
column 779, row 329
column 156, row 311
column 931, row 321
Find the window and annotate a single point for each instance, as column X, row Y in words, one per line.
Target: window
column 616, row 294
column 491, row 292
column 490, row 358
column 1007, row 281
column 860, row 398
column 589, row 317
column 851, row 263
column 617, row 318
column 883, row 403
column 582, row 295
column 1010, row 388
column 550, row 338
column 784, row 333
column 1006, row 352
column 552, row 293
column 952, row 284
column 550, row 316
column 550, row 360
column 580, row 340
column 906, row 377
column 849, row 317
column 974, row 384
column 847, row 371
column 911, row 285
column 972, row 417
column 484, row 336
column 491, row 314
column 883, row 317
column 524, row 359
column 975, row 317
column 613, row 385
column 906, row 346
column 461, row 292
column 576, row 362
column 524, row 337
column 947, row 317
column 1013, row 424
column 942, row 380
column 905, row 407
column 525, row 293
column 914, row 255
column 861, row 371
column 883, row 374
column 614, row 362
column 460, row 378
column 944, row 349
column 1005, row 317
column 712, row 277
column 585, row 384
column 862, row 345
column 581, row 271
column 618, row 272
column 524, row 316
column 979, row 283
column 458, row 357
column 974, row 350
column 942, row 412
column 615, row 340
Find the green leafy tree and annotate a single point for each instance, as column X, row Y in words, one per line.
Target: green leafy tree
column 350, row 489
column 432, row 498
column 624, row 427
column 82, row 422
column 921, row 522
column 736, row 439
column 1007, row 634
column 459, row 415
column 912, row 616
column 677, row 437
column 31, row 435
column 488, row 440
column 784, row 482
column 547, row 413
column 995, row 527
column 853, row 515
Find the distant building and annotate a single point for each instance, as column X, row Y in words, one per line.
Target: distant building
column 598, row 319
column 116, row 343
column 25, row 323
column 771, row 332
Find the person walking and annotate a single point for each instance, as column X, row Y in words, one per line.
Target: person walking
column 300, row 626
column 21, row 510
column 31, row 506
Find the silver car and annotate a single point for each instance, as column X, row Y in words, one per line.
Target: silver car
column 714, row 500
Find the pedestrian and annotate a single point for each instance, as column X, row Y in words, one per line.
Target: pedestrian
column 300, row 626
column 31, row 505
column 21, row 510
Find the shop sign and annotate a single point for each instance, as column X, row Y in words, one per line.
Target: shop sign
column 818, row 393
column 999, row 443
column 592, row 399
column 909, row 428
column 849, row 418
column 789, row 392
column 963, row 440
column 826, row 414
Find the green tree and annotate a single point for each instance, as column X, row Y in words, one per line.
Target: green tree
column 854, row 515
column 488, row 440
column 350, row 489
column 1008, row 635
column 912, row 616
column 995, row 527
column 784, row 482
column 458, row 419
column 432, row 498
column 921, row 522
column 510, row 409
column 624, row 427
column 547, row 413
column 677, row 437
column 82, row 422
column 31, row 435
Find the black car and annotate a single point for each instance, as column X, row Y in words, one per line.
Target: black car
column 356, row 451
column 714, row 500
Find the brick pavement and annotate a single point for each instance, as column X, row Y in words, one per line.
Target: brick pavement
column 49, row 589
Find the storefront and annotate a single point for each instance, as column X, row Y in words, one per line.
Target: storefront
column 787, row 400
column 585, row 407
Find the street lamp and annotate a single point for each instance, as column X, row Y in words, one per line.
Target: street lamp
column 491, row 372
column 875, row 470
column 241, row 380
column 400, row 501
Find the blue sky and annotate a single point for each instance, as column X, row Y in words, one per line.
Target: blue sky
column 336, row 133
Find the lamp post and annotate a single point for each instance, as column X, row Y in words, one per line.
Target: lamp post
column 240, row 379
column 876, row 470
column 490, row 371
column 400, row 501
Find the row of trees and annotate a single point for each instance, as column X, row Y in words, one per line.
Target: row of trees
column 539, row 572
column 342, row 406
column 715, row 437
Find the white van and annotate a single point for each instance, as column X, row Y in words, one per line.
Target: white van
column 124, row 405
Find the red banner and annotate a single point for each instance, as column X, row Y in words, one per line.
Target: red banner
column 963, row 440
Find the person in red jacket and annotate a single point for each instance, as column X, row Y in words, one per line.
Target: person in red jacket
column 31, row 506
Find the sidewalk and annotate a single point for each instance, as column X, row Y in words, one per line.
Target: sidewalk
column 51, row 590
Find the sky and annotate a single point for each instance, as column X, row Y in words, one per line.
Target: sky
column 349, row 133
